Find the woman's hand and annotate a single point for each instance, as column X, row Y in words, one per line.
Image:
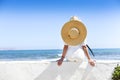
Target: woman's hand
column 59, row 62
column 91, row 62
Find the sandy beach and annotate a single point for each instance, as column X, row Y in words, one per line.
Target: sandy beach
column 45, row 70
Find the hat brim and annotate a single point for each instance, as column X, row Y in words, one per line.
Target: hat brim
column 73, row 24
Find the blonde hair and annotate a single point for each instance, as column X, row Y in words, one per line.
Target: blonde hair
column 74, row 18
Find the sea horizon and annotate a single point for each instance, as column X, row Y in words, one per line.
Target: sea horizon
column 53, row 48
column 52, row 54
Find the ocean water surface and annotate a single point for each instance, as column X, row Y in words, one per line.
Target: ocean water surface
column 54, row 54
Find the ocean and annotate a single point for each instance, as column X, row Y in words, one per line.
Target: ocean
column 54, row 54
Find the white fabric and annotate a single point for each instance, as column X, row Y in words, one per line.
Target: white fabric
column 75, row 53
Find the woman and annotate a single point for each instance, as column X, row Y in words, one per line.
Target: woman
column 73, row 34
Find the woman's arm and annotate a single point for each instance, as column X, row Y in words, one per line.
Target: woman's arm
column 92, row 62
column 63, row 55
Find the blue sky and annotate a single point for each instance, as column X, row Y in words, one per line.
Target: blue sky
column 36, row 24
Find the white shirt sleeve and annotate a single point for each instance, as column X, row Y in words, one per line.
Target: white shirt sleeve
column 65, row 43
column 83, row 43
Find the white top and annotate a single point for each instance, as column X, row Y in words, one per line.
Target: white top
column 75, row 53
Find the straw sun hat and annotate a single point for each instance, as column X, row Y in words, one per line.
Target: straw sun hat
column 73, row 32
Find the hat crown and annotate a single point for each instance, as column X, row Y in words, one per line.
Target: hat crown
column 73, row 33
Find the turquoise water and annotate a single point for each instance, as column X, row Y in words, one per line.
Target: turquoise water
column 100, row 54
column 107, row 54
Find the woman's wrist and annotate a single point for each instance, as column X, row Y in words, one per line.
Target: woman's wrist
column 62, row 57
column 89, row 59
